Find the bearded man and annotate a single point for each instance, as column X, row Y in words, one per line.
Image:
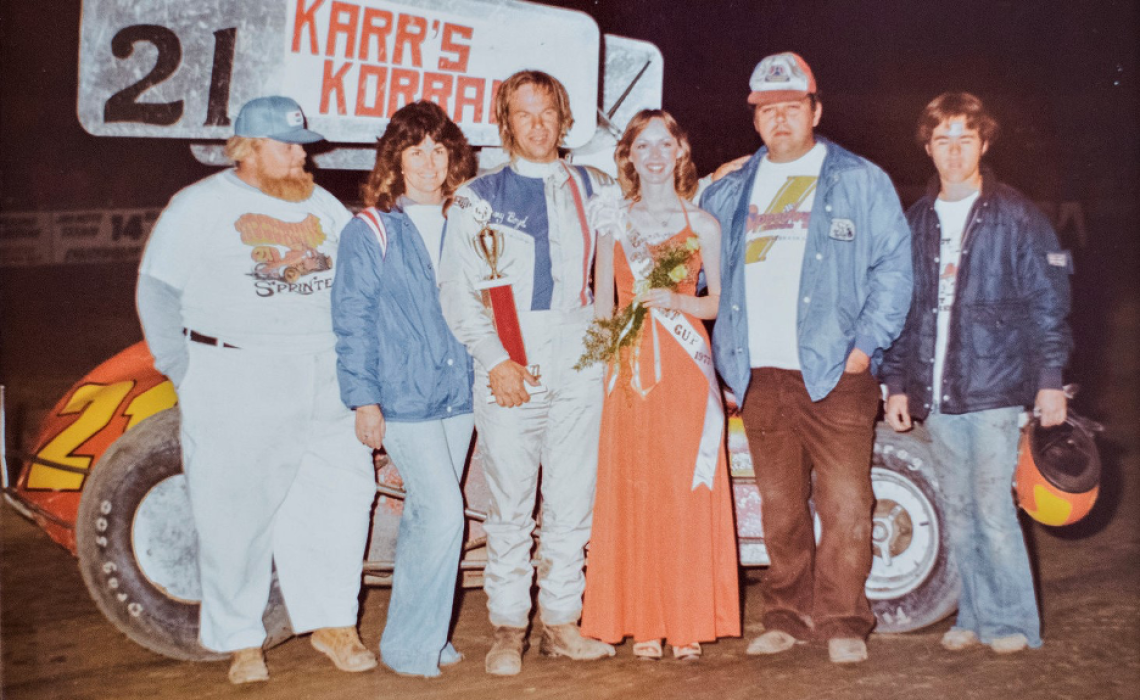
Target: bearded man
column 234, row 298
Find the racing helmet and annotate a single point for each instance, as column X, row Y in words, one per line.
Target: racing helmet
column 1058, row 470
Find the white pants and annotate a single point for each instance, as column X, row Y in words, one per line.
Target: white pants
column 559, row 430
column 276, row 477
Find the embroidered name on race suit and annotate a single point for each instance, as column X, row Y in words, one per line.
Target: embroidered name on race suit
column 510, row 219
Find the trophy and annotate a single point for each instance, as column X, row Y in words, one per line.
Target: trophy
column 499, row 299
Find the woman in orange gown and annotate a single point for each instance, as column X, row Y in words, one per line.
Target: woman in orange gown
column 662, row 559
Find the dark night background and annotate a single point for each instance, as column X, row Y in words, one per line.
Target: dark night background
column 1060, row 76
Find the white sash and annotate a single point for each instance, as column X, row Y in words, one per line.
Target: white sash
column 678, row 326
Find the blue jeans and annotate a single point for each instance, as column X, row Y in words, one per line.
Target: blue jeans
column 430, row 456
column 975, row 455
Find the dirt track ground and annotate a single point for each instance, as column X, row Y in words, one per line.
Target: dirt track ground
column 57, row 645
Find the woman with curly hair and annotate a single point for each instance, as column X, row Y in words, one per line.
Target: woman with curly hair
column 662, row 561
column 405, row 375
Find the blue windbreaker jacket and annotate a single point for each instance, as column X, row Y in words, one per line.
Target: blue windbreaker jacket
column 393, row 347
column 856, row 283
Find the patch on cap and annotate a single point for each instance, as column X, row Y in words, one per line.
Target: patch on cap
column 295, row 118
column 781, row 77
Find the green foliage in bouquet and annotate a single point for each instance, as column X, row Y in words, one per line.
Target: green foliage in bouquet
column 607, row 336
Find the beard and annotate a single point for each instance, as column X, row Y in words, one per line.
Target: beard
column 291, row 189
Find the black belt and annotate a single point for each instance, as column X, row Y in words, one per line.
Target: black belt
column 205, row 339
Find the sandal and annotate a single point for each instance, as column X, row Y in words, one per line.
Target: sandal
column 647, row 651
column 689, row 652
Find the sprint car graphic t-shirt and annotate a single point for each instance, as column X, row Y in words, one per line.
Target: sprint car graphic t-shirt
column 952, row 218
column 774, row 243
column 254, row 271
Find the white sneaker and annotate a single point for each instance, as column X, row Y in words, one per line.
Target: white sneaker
column 959, row 639
column 771, row 642
column 1010, row 644
column 847, row 650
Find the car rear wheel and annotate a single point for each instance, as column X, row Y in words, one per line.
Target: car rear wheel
column 913, row 581
column 138, row 548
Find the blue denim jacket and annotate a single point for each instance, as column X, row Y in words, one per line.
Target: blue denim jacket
column 393, row 347
column 856, row 282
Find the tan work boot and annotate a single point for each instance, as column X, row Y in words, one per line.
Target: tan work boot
column 248, row 666
column 566, row 640
column 343, row 646
column 505, row 657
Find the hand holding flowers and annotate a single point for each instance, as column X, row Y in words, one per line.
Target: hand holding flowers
column 607, row 336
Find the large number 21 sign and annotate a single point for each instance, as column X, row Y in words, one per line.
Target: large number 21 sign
column 178, row 69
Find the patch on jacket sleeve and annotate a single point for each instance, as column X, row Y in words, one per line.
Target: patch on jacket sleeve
column 1062, row 260
column 461, row 202
column 842, row 229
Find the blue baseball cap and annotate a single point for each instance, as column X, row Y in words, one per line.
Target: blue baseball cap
column 276, row 117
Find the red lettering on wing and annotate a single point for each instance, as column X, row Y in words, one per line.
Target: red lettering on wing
column 410, row 33
column 461, row 51
column 306, row 18
column 404, row 86
column 469, row 93
column 333, row 82
column 367, row 73
column 377, row 23
column 343, row 19
column 437, row 88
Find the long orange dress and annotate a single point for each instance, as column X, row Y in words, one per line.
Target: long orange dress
column 662, row 559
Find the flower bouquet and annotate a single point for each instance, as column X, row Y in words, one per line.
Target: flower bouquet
column 606, row 337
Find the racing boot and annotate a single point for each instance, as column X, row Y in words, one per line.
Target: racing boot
column 505, row 656
column 343, row 646
column 566, row 640
column 248, row 666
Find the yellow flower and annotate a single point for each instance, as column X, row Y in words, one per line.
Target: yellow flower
column 692, row 243
column 678, row 273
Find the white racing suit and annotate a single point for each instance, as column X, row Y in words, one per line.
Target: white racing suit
column 547, row 255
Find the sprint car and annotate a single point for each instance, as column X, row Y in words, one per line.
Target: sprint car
column 104, row 480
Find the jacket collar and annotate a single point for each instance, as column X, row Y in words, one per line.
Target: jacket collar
column 989, row 185
column 555, row 169
column 837, row 159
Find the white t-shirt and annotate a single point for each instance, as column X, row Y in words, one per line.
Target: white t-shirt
column 254, row 271
column 428, row 219
column 952, row 223
column 775, row 239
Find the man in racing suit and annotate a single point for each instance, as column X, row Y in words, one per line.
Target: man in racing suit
column 234, row 297
column 536, row 203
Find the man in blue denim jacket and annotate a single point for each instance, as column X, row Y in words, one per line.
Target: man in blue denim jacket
column 986, row 337
column 816, row 284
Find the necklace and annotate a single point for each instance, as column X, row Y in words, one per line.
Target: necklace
column 660, row 223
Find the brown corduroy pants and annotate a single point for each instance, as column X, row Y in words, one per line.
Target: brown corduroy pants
column 814, row 590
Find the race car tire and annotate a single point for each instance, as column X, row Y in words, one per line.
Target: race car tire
column 913, row 581
column 138, row 549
